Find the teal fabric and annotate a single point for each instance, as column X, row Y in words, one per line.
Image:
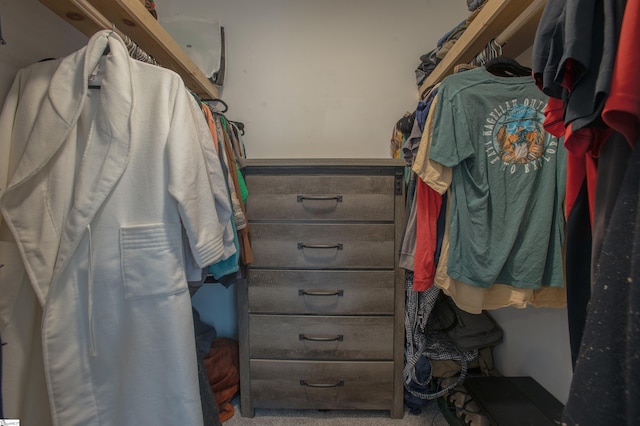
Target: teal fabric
column 231, row 264
column 508, row 181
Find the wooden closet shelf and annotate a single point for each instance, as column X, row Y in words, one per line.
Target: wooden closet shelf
column 492, row 20
column 131, row 18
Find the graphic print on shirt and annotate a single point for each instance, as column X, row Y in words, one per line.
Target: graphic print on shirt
column 516, row 139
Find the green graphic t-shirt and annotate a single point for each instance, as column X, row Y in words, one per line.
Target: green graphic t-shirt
column 508, row 181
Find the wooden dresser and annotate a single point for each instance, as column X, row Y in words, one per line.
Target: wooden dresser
column 321, row 313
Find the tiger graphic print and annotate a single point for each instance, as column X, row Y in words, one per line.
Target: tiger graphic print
column 518, row 140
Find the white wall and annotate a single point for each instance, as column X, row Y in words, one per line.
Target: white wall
column 32, row 33
column 324, row 78
column 315, row 79
column 536, row 344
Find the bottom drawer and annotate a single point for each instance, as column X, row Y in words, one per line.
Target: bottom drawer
column 366, row 385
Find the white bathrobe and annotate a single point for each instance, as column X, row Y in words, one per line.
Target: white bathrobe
column 97, row 187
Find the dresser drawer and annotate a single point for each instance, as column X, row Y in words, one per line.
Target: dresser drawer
column 321, row 246
column 319, row 337
column 320, row 197
column 321, row 292
column 322, row 385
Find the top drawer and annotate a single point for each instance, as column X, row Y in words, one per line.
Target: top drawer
column 320, row 197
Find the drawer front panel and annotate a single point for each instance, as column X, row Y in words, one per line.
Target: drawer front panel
column 321, row 292
column 319, row 337
column 322, row 385
column 320, row 246
column 320, row 197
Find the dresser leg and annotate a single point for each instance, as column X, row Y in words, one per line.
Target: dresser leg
column 242, row 300
column 246, row 410
column 397, row 413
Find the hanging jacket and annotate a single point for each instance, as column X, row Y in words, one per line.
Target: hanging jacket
column 102, row 184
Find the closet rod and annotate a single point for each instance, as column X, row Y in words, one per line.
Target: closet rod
column 132, row 19
column 509, row 42
column 94, row 15
column 532, row 13
column 134, row 50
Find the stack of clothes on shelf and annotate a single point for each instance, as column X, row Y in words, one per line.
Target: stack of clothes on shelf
column 429, row 60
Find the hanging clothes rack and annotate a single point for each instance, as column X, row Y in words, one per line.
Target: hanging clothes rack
column 528, row 20
column 137, row 53
column 132, row 20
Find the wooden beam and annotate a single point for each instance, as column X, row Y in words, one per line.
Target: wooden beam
column 82, row 16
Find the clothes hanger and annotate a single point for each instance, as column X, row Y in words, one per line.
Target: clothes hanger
column 105, row 52
column 504, row 66
column 239, row 125
column 491, row 51
column 217, row 100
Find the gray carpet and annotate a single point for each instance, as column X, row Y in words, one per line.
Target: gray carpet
column 430, row 416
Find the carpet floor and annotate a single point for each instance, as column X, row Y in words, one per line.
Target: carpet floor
column 430, row 416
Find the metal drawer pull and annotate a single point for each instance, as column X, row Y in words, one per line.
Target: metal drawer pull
column 320, row 246
column 322, row 385
column 337, row 198
column 338, row 338
column 302, row 292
